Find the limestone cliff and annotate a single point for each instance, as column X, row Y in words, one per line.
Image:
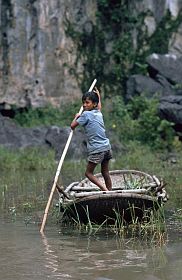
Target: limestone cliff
column 37, row 57
column 36, row 54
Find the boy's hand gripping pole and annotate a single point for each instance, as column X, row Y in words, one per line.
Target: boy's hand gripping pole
column 59, row 169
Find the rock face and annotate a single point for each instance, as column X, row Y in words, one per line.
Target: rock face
column 165, row 80
column 158, row 8
column 138, row 84
column 155, row 11
column 14, row 137
column 169, row 66
column 164, row 77
column 37, row 59
column 36, row 54
column 170, row 108
column 56, row 138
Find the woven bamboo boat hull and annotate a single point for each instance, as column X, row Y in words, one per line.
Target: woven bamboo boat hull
column 106, row 208
column 84, row 203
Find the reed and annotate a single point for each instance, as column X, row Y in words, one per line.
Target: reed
column 118, row 227
column 30, row 171
column 152, row 227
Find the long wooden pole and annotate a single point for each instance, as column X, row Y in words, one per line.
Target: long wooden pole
column 59, row 169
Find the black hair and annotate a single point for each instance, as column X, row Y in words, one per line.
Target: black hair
column 91, row 95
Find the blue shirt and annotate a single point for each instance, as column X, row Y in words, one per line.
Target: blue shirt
column 93, row 123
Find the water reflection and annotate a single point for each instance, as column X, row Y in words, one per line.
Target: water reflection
column 67, row 254
column 100, row 257
column 52, row 262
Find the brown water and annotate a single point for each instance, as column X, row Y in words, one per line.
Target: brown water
column 64, row 254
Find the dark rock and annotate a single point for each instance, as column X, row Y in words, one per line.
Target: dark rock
column 166, row 86
column 169, row 66
column 165, row 83
column 138, row 84
column 57, row 138
column 170, row 108
column 13, row 136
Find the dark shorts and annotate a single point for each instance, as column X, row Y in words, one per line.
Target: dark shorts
column 100, row 157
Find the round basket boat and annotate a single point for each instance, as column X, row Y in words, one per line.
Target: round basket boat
column 134, row 195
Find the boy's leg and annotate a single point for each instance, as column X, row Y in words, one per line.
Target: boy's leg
column 89, row 174
column 106, row 175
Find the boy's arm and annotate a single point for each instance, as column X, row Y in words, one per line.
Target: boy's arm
column 74, row 122
column 99, row 106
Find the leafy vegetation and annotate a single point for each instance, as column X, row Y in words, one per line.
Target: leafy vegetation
column 110, row 53
column 47, row 115
column 137, row 120
column 118, row 44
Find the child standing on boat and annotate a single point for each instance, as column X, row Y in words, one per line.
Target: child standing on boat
column 98, row 145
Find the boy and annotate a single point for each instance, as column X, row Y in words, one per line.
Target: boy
column 98, row 145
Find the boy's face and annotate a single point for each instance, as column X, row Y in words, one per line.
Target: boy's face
column 89, row 105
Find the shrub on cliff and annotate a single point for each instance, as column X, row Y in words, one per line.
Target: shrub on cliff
column 139, row 120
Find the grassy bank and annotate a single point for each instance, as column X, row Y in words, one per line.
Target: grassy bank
column 27, row 176
column 149, row 144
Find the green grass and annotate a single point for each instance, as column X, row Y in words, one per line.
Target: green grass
column 26, row 159
column 27, row 175
column 152, row 229
column 47, row 115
